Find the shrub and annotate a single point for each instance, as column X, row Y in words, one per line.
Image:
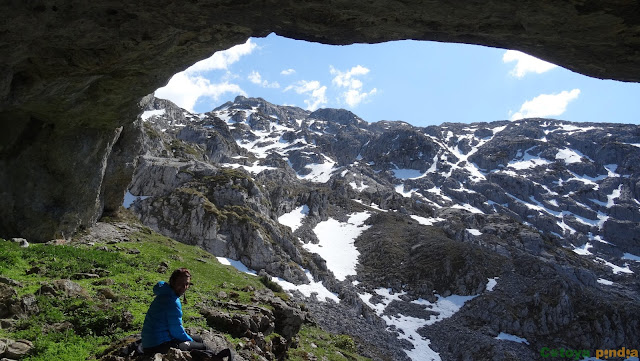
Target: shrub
column 266, row 280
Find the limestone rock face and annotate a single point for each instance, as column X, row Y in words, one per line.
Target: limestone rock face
column 221, row 210
column 50, row 183
column 72, row 72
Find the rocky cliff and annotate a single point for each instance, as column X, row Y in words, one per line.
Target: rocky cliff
column 458, row 234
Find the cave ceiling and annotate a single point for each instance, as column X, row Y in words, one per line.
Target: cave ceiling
column 75, row 70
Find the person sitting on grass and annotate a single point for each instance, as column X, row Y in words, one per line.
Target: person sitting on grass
column 163, row 329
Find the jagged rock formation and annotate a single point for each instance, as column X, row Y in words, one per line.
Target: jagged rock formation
column 528, row 225
column 219, row 210
column 72, row 74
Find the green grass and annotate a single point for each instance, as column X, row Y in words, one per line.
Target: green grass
column 98, row 322
column 315, row 341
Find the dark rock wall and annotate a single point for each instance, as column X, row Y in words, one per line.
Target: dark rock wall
column 51, row 185
column 71, row 72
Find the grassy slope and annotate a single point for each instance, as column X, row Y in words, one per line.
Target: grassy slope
column 98, row 322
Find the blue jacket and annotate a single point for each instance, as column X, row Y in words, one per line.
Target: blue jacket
column 163, row 321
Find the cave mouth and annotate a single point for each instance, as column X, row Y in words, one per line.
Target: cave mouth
column 420, row 82
column 80, row 70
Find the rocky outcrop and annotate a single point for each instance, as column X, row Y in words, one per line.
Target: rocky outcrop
column 14, row 349
column 543, row 304
column 120, row 167
column 400, row 254
column 51, row 179
column 63, row 288
column 221, row 210
column 256, row 322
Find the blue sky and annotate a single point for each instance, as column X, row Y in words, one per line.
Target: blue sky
column 422, row 83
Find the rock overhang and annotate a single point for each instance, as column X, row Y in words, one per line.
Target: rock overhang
column 75, row 71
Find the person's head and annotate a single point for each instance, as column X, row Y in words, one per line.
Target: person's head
column 180, row 281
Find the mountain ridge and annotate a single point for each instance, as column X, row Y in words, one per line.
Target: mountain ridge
column 495, row 201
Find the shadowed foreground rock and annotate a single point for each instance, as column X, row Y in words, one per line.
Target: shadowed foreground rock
column 72, row 72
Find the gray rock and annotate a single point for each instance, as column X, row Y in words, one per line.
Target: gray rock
column 18, row 349
column 23, row 242
column 10, row 282
column 81, row 276
column 63, row 288
column 108, row 293
column 7, row 292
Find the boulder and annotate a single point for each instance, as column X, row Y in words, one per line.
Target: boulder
column 7, row 292
column 108, row 294
column 7, row 299
column 9, row 281
column 288, row 319
column 21, row 241
column 27, row 305
column 18, row 349
column 63, row 288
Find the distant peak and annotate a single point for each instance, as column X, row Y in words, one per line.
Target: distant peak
column 341, row 116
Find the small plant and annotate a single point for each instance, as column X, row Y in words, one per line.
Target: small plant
column 345, row 342
column 266, row 280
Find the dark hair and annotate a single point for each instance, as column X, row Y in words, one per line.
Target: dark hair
column 179, row 273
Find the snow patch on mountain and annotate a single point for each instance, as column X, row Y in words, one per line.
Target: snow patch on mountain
column 427, row 221
column 237, row 265
column 509, row 337
column 631, row 257
column 614, row 268
column 152, row 113
column 312, row 288
column 604, row 282
column 318, row 172
column 491, row 283
column 444, row 307
column 584, row 249
column 570, row 156
column 526, row 160
column 294, row 218
column 255, row 168
column 308, row 290
column 406, row 173
column 336, row 244
column 468, row 207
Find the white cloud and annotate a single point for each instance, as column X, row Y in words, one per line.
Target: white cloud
column 347, row 79
column 354, row 97
column 288, row 71
column 545, row 105
column 185, row 90
column 316, row 93
column 256, row 78
column 222, row 59
column 354, row 94
column 525, row 63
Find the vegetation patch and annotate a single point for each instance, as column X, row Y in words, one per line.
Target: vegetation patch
column 118, row 291
column 325, row 346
